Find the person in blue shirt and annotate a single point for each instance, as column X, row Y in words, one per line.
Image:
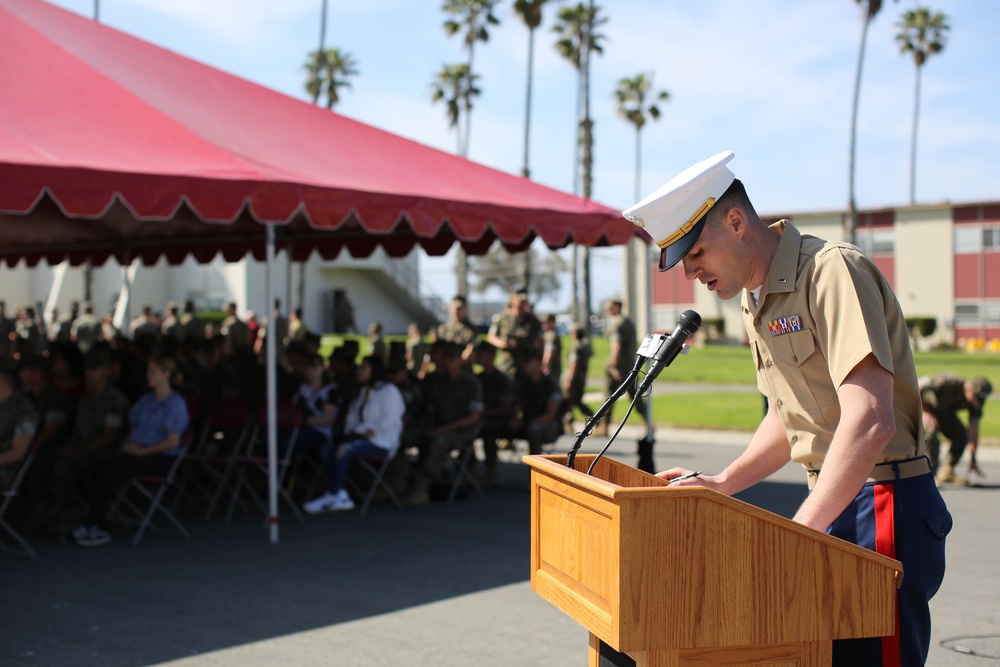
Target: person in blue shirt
column 157, row 422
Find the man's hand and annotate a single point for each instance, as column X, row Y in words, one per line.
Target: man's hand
column 974, row 468
column 930, row 421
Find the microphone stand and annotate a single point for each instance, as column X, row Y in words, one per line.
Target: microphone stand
column 603, row 410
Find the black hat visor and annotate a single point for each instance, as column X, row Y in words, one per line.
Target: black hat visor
column 676, row 251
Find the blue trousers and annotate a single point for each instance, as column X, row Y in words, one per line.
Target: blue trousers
column 905, row 519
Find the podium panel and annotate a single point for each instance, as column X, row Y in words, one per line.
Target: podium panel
column 655, row 571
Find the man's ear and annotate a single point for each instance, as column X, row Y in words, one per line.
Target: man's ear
column 736, row 220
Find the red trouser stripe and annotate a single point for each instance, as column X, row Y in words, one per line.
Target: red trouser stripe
column 885, row 544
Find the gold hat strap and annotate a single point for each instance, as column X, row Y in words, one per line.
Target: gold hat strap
column 687, row 226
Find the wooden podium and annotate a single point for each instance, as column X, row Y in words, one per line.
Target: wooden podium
column 688, row 576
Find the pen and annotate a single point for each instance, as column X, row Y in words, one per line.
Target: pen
column 687, row 476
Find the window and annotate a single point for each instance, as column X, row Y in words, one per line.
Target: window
column 968, row 314
column 877, row 241
column 975, row 239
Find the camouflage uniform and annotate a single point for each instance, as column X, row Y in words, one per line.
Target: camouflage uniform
column 943, row 396
column 524, row 330
column 172, row 328
column 448, row 400
column 551, row 342
column 193, row 325
column 620, row 328
column 580, row 352
column 17, row 417
column 460, row 332
column 86, row 330
column 499, row 397
column 236, row 332
column 7, row 327
column 534, row 397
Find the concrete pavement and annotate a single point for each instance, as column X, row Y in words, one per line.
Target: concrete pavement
column 441, row 585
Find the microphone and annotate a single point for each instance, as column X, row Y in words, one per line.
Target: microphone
column 687, row 324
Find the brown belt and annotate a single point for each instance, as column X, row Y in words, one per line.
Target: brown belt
column 888, row 472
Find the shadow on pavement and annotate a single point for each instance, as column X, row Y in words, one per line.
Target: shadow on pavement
column 169, row 598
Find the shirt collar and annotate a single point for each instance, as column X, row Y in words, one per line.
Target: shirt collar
column 784, row 266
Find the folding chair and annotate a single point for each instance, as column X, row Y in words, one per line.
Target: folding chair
column 229, row 426
column 13, row 491
column 289, row 422
column 153, row 488
column 465, row 471
column 376, row 466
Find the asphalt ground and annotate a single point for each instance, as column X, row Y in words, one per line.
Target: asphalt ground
column 440, row 585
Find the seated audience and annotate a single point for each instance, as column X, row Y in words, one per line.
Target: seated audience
column 498, row 406
column 539, row 402
column 372, row 427
column 320, row 401
column 453, row 407
column 157, row 424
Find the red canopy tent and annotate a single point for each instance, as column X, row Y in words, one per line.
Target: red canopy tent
column 113, row 147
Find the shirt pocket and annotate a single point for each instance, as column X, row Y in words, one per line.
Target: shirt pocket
column 793, row 349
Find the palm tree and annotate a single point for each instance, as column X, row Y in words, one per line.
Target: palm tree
column 530, row 12
column 633, row 97
column 471, row 19
column 456, row 86
column 328, row 71
column 869, row 9
column 578, row 38
column 923, row 34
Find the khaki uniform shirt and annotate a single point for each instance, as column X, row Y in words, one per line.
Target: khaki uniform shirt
column 823, row 308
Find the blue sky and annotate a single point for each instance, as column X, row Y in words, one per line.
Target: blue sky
column 768, row 79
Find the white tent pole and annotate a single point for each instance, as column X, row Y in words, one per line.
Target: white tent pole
column 58, row 276
column 272, row 400
column 121, row 308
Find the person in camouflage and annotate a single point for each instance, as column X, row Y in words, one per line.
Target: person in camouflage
column 539, row 403
column 458, row 329
column 943, row 396
column 499, row 399
column 551, row 348
column 515, row 333
column 453, row 404
column 18, row 424
column 621, row 356
column 577, row 365
column 86, row 329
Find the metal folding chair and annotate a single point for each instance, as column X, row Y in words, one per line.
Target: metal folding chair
column 465, row 471
column 13, row 491
column 289, row 422
column 153, row 489
column 376, row 466
column 230, row 426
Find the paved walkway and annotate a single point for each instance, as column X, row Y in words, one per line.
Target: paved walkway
column 440, row 586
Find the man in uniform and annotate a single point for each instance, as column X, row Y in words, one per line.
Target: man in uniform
column 458, row 329
column 171, row 326
column 7, row 332
column 943, row 396
column 18, row 423
column 194, row 326
column 234, row 330
column 499, row 399
column 832, row 354
column 516, row 332
column 97, row 430
column 551, row 348
column 538, row 404
column 453, row 404
column 145, row 325
column 86, row 329
column 53, row 410
column 621, row 357
column 577, row 365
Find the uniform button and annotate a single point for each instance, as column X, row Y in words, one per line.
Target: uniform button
column 768, row 363
column 795, row 439
column 778, row 402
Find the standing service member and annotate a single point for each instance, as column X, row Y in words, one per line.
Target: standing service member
column 830, row 346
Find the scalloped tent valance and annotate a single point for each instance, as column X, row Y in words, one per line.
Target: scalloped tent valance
column 113, row 147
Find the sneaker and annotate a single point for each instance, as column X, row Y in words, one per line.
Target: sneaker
column 330, row 502
column 89, row 537
column 75, row 536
